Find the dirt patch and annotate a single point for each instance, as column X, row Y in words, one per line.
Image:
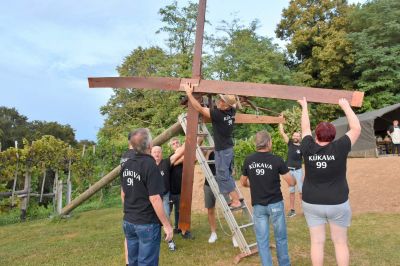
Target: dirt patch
column 372, row 181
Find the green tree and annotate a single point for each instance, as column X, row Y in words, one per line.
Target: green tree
column 157, row 110
column 41, row 128
column 240, row 54
column 13, row 127
column 375, row 36
column 316, row 31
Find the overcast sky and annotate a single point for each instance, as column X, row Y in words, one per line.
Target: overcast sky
column 48, row 48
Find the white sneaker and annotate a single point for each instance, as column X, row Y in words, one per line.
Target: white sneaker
column 213, row 237
column 234, row 242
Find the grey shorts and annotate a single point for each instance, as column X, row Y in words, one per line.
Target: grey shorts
column 298, row 175
column 316, row 214
column 209, row 199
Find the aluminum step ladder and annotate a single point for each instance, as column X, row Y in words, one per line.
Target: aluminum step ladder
column 245, row 225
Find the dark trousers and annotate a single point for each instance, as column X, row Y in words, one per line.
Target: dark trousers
column 395, row 147
column 174, row 203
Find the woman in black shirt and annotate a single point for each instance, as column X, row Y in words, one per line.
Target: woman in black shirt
column 325, row 189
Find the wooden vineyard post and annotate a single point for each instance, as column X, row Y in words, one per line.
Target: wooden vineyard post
column 15, row 176
column 69, row 184
column 59, row 192
column 43, row 182
column 25, row 198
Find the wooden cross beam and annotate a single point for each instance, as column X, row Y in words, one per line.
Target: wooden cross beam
column 215, row 87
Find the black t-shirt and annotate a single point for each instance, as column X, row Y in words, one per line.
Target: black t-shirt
column 325, row 171
column 140, row 178
column 176, row 179
column 294, row 155
column 263, row 170
column 212, row 167
column 222, row 124
column 165, row 167
column 129, row 154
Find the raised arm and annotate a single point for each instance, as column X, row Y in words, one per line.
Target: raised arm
column 283, row 134
column 205, row 111
column 354, row 123
column 305, row 119
column 178, row 155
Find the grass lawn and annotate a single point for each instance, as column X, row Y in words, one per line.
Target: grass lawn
column 95, row 238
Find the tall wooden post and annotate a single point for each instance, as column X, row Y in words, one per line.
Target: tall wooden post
column 69, row 184
column 15, row 176
column 43, row 182
column 25, row 199
column 191, row 131
column 59, row 196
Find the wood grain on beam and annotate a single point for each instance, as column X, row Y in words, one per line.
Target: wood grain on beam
column 254, row 119
column 318, row 95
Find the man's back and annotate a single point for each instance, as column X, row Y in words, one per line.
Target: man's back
column 140, row 178
column 263, row 170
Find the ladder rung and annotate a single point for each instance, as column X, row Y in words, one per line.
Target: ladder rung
column 204, row 134
column 206, row 148
column 238, row 208
column 252, row 245
column 246, row 225
column 211, row 161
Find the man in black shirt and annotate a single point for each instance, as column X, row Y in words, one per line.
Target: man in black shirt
column 294, row 164
column 261, row 172
column 142, row 185
column 164, row 165
column 222, row 119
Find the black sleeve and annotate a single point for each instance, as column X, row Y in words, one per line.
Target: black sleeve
column 306, row 143
column 283, row 169
column 215, row 114
column 343, row 145
column 153, row 179
column 168, row 164
column 245, row 170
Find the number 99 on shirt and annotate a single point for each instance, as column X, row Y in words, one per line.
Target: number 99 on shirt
column 260, row 171
column 321, row 164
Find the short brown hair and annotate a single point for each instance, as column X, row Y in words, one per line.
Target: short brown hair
column 263, row 139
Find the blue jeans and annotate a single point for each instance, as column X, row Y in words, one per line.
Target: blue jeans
column 223, row 167
column 165, row 201
column 143, row 241
column 262, row 215
column 175, row 202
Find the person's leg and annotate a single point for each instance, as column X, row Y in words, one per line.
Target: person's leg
column 277, row 211
column 317, row 235
column 291, row 197
column 177, row 206
column 299, row 181
column 149, row 244
column 261, row 229
column 211, row 219
column 226, row 183
column 126, row 252
column 166, row 204
column 339, row 239
column 132, row 241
